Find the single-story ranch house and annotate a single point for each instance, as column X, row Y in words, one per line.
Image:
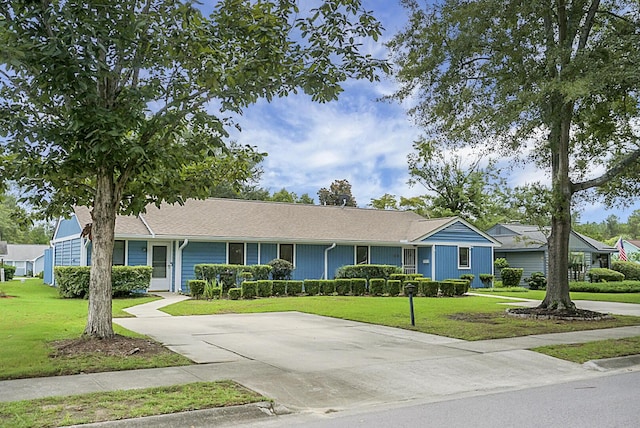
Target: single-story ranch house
column 316, row 239
column 27, row 258
column 525, row 246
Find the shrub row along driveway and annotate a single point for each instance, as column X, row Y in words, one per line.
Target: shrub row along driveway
column 314, row 363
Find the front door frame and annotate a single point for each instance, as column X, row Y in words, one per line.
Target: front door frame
column 164, row 283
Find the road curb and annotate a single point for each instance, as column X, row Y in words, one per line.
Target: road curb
column 219, row 417
column 607, row 364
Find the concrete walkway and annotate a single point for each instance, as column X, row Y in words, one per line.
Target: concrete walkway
column 319, row 365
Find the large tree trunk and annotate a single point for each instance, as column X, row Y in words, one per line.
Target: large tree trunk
column 99, row 319
column 557, row 296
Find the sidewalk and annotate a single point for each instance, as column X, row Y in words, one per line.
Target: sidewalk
column 315, row 364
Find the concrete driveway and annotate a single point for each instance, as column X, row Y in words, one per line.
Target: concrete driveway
column 319, row 364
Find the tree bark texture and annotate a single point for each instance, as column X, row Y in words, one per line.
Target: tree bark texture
column 99, row 319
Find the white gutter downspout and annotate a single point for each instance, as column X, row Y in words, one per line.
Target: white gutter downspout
column 326, row 260
column 178, row 269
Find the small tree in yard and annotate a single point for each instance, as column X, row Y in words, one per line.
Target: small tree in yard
column 551, row 82
column 116, row 104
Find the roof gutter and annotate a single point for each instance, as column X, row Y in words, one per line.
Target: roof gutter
column 153, row 235
column 326, row 259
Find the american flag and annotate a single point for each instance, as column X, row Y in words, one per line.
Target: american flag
column 622, row 254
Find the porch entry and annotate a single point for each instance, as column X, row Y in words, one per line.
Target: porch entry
column 409, row 260
column 159, row 259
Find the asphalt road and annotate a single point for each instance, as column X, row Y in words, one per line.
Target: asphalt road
column 610, row 401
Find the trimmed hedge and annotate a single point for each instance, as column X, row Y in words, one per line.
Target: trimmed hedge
column 393, row 287
column 9, row 272
column 429, row 288
column 265, row 288
column 279, row 287
column 511, row 276
column 468, row 276
column 327, row 286
column 235, row 293
column 486, row 279
column 73, row 281
column 376, row 286
column 358, row 286
column 249, row 289
column 312, row 287
column 606, row 287
column 448, row 288
column 604, row 275
column 630, row 270
column 343, row 286
column 196, row 287
column 367, row 271
column 294, row 288
column 212, row 272
column 212, row 292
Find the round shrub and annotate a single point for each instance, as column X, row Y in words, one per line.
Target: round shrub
column 9, row 272
column 511, row 276
column 501, row 263
column 630, row 270
column 281, row 269
column 537, row 281
column 196, row 288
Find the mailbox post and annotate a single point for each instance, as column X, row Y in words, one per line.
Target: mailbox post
column 410, row 289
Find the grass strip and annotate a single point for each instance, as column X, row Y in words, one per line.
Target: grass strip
column 575, row 295
column 468, row 318
column 117, row 405
column 583, row 352
column 34, row 316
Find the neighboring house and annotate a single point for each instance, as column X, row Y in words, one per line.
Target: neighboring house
column 525, row 246
column 316, row 239
column 632, row 249
column 28, row 259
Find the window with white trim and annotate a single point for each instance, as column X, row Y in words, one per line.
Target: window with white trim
column 362, row 255
column 464, row 258
column 236, row 253
column 118, row 253
column 286, row 252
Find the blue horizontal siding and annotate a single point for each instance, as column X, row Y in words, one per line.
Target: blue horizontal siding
column 68, row 227
column 67, row 253
column 252, row 254
column 268, row 252
column 340, row 256
column 447, row 263
column 201, row 252
column 137, row 253
column 309, row 261
column 458, row 233
column 424, row 254
column 386, row 256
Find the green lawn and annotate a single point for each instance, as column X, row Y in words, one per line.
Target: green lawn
column 539, row 295
column 583, row 352
column 34, row 315
column 469, row 318
column 117, row 405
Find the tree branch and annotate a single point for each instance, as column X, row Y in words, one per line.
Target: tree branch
column 588, row 24
column 610, row 174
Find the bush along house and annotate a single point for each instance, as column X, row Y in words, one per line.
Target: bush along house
column 317, row 239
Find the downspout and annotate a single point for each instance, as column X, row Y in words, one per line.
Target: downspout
column 326, row 260
column 433, row 263
column 178, row 269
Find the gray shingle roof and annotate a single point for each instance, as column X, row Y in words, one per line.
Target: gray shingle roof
column 529, row 237
column 263, row 221
column 24, row 252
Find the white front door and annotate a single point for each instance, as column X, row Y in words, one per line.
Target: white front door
column 409, row 260
column 160, row 261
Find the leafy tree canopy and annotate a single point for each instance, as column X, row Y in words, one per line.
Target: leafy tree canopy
column 554, row 82
column 115, row 104
column 338, row 193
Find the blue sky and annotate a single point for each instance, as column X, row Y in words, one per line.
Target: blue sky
column 356, row 138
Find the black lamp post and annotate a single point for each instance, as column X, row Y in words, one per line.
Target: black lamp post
column 409, row 289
